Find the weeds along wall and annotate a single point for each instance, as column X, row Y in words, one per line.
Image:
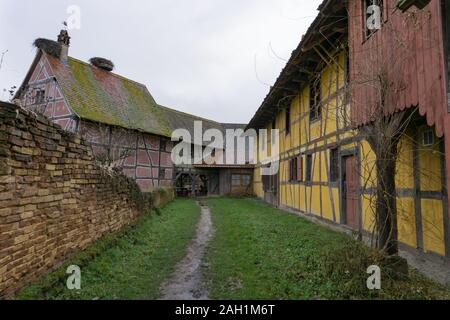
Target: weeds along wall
column 54, row 199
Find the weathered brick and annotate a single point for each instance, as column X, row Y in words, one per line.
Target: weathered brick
column 54, row 201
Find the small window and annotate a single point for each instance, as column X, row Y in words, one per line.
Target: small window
column 428, row 138
column 246, row 180
column 236, row 180
column 334, row 165
column 288, row 121
column 315, row 99
column 293, row 170
column 163, row 145
column 40, row 96
column 308, row 176
column 300, row 168
column 373, row 13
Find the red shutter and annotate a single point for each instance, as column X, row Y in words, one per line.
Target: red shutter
column 299, row 168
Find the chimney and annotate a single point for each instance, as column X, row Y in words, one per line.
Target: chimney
column 64, row 40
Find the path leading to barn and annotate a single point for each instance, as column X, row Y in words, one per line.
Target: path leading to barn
column 186, row 283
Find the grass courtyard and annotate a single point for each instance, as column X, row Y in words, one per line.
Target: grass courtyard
column 132, row 265
column 257, row 252
column 263, row 253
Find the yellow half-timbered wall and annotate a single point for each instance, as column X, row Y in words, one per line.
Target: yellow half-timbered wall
column 421, row 199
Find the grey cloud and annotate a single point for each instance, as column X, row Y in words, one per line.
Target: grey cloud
column 197, row 56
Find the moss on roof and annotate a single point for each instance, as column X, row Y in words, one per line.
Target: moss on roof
column 105, row 97
column 97, row 95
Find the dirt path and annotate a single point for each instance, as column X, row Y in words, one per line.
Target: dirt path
column 186, row 283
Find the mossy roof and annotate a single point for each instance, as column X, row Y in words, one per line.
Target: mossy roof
column 105, row 97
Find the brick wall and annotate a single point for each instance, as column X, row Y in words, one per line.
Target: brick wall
column 54, row 200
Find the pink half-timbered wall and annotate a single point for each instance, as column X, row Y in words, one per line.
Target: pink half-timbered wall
column 54, row 105
column 142, row 156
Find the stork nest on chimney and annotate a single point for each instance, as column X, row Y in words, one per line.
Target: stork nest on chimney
column 102, row 63
column 50, row 47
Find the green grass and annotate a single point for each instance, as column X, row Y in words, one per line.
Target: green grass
column 131, row 265
column 259, row 252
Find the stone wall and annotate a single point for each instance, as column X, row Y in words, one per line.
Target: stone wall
column 54, row 199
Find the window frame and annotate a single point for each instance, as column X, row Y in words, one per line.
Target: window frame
column 334, row 165
column 241, row 177
column 309, row 164
column 287, row 118
column 39, row 97
column 293, row 163
column 299, row 168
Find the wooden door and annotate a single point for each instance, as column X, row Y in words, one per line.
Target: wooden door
column 270, row 185
column 351, row 193
column 214, row 185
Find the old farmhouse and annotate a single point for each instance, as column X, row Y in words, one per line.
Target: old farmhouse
column 126, row 126
column 344, row 90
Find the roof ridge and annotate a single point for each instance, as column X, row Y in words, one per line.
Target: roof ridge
column 233, row 124
column 145, row 88
column 188, row 114
column 109, row 72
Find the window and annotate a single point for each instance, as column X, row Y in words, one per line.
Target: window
column 236, row 180
column 246, row 180
column 288, row 121
column 315, row 99
column 334, row 165
column 300, row 168
column 40, row 96
column 293, row 170
column 428, row 138
column 241, row 180
column 373, row 13
column 163, row 145
column 308, row 176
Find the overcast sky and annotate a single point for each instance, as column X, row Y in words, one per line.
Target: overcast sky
column 211, row 58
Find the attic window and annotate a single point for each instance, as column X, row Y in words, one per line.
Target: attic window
column 39, row 97
column 163, row 145
column 428, row 138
